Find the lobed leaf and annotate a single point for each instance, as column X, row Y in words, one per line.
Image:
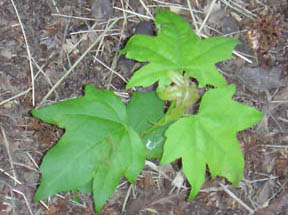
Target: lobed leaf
column 144, row 110
column 210, row 138
column 98, row 146
column 177, row 48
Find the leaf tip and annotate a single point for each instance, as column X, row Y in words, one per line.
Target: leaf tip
column 122, row 52
column 36, row 199
column 33, row 112
column 38, row 196
column 129, row 85
column 88, row 88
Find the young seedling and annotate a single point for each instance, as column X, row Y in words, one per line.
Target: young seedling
column 105, row 139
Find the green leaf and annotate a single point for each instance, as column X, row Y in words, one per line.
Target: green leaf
column 177, row 48
column 144, row 110
column 98, row 146
column 210, row 138
column 154, row 142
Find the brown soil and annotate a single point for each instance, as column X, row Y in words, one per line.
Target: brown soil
column 58, row 33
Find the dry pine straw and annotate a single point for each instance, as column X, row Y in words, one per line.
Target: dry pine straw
column 193, row 10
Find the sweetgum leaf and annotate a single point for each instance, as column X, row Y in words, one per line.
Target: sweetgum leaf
column 177, row 48
column 144, row 110
column 98, row 146
column 210, row 138
column 154, row 142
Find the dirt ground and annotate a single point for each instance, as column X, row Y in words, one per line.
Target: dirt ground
column 49, row 50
